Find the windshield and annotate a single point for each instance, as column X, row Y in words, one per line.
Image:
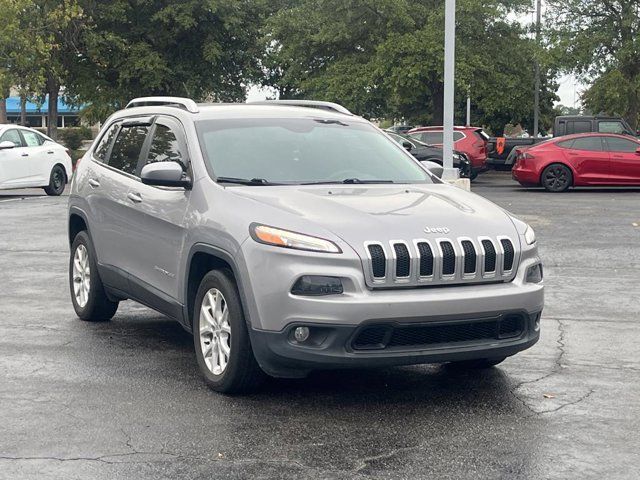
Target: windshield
column 261, row 151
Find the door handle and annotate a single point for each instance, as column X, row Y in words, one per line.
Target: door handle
column 25, row 155
column 94, row 183
column 50, row 152
column 134, row 197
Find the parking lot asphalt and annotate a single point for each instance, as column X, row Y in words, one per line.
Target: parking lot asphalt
column 124, row 399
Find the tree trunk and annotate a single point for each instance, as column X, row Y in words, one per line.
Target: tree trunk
column 437, row 116
column 634, row 107
column 23, row 110
column 53, row 88
column 3, row 110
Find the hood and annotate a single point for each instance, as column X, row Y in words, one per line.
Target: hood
column 365, row 213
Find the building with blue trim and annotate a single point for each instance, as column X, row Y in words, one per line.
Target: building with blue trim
column 68, row 116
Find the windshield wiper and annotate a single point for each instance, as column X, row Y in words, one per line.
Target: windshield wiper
column 245, row 181
column 348, row 181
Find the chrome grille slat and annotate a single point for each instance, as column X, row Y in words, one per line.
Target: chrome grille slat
column 440, row 261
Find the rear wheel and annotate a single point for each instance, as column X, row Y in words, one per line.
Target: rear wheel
column 87, row 293
column 478, row 364
column 57, row 181
column 221, row 338
column 556, row 178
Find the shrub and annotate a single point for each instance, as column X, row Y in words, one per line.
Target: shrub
column 73, row 136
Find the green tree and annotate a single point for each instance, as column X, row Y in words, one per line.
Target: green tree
column 600, row 40
column 384, row 58
column 203, row 49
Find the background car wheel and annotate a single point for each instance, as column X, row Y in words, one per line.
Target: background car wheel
column 477, row 364
column 57, row 181
column 556, row 178
column 87, row 293
column 220, row 336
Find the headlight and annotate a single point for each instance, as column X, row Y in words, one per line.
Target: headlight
column 285, row 238
column 530, row 236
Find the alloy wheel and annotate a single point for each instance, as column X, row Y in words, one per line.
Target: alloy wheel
column 215, row 331
column 556, row 178
column 81, row 276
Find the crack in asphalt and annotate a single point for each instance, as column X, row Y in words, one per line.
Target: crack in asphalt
column 365, row 462
column 557, row 366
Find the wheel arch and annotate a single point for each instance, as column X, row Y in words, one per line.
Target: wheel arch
column 77, row 223
column 202, row 259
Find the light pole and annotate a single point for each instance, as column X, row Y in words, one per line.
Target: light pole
column 449, row 173
column 536, row 95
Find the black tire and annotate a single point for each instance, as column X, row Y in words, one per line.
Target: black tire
column 478, row 364
column 556, row 178
column 473, row 175
column 242, row 372
column 98, row 307
column 57, row 181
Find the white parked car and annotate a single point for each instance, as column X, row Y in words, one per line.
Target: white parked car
column 31, row 159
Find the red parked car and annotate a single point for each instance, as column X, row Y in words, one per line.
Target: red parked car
column 472, row 141
column 579, row 160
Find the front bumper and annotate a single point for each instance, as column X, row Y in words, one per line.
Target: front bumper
column 335, row 346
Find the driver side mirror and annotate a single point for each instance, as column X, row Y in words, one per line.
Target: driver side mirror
column 407, row 146
column 7, row 145
column 165, row 174
column 638, row 151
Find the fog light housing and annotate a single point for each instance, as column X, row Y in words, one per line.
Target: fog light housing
column 315, row 286
column 534, row 273
column 301, row 334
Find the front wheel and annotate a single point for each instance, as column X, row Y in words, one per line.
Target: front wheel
column 87, row 293
column 221, row 338
column 556, row 178
column 57, row 181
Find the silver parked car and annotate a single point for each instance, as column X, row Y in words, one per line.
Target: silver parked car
column 295, row 236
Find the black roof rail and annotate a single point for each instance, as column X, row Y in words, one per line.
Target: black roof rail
column 179, row 102
column 331, row 106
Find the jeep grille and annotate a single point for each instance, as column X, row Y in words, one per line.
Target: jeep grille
column 400, row 263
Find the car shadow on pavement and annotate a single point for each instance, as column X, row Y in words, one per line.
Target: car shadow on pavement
column 158, row 341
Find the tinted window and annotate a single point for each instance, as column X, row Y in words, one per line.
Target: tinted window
column 127, row 147
column 578, row 127
column 593, row 144
column 565, row 144
column 435, row 138
column 32, row 139
column 611, row 127
column 165, row 147
column 12, row 136
column 621, row 145
column 100, row 153
column 304, row 150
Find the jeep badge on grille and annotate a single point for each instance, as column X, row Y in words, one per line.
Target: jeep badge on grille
column 444, row 230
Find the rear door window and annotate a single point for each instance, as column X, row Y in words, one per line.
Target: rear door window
column 578, row 126
column 623, row 145
column 592, row 144
column 126, row 150
column 32, row 139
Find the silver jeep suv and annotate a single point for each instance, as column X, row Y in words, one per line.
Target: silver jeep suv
column 295, row 236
